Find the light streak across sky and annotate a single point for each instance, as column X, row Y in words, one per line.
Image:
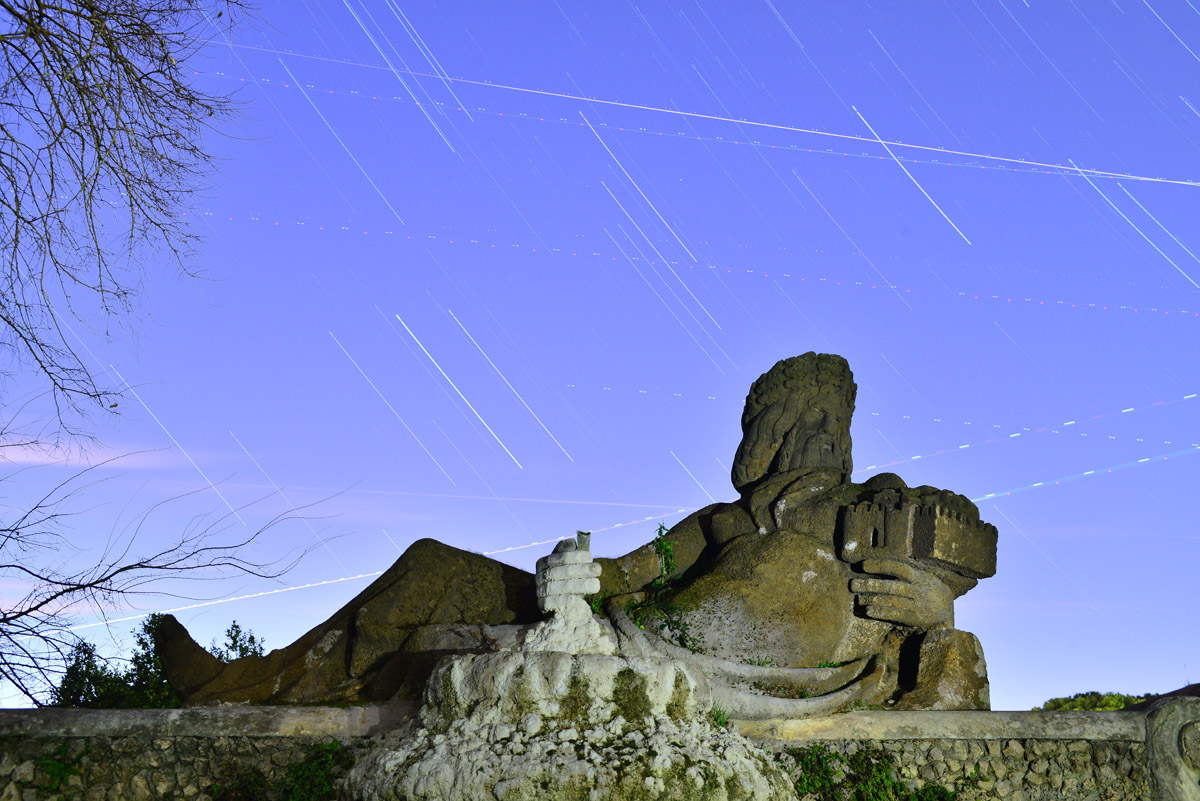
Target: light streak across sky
column 508, row 384
column 588, row 259
column 910, row 176
column 391, row 408
column 697, row 115
column 1139, row 230
column 456, row 389
column 395, row 72
column 342, row 142
column 657, row 214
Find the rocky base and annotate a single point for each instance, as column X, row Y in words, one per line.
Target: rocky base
column 544, row 759
column 562, row 727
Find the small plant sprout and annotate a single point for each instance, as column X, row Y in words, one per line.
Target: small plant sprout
column 719, row 716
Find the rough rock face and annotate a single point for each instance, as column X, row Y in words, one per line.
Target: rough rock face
column 567, row 722
column 790, row 595
column 555, row 726
column 951, row 673
column 797, row 416
column 435, row 600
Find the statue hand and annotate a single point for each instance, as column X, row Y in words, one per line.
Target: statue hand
column 916, row 597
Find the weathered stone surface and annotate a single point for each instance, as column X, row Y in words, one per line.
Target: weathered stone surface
column 782, row 597
column 377, row 646
column 563, row 579
column 797, row 417
column 573, row 633
column 561, row 726
column 951, row 673
column 1171, row 747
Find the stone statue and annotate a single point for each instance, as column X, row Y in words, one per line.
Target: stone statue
column 807, row 569
column 808, row 595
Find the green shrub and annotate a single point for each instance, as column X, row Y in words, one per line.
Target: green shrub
column 870, row 777
column 313, row 778
column 1092, row 701
column 90, row 682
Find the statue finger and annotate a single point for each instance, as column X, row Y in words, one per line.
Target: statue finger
column 872, row 599
column 890, row 567
column 883, row 587
column 893, row 613
column 887, row 613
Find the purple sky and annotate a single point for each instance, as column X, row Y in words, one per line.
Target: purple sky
column 532, row 300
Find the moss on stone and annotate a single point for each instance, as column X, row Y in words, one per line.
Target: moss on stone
column 521, row 695
column 448, row 706
column 677, row 706
column 629, row 695
column 575, row 704
column 869, row 774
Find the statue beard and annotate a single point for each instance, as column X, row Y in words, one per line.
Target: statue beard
column 808, row 451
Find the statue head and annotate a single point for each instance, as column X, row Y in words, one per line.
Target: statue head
column 797, row 416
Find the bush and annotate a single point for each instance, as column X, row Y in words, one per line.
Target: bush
column 1092, row 701
column 90, row 682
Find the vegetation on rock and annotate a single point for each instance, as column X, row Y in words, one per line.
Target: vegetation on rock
column 313, row 778
column 629, row 695
column 870, row 776
column 653, row 602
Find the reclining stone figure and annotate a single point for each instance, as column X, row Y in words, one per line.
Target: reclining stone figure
column 807, row 594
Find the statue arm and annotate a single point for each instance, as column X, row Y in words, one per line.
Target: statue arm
column 636, row 569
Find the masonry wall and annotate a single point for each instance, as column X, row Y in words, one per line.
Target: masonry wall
column 1152, row 755
column 1022, row 756
column 136, row 755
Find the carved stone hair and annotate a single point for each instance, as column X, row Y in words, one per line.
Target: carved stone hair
column 795, row 399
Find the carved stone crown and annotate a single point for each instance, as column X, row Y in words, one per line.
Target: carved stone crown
column 933, row 535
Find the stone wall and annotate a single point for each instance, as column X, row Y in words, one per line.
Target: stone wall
column 1016, row 770
column 1022, row 756
column 137, row 755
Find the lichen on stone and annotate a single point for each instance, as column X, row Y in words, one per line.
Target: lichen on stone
column 575, row 704
column 629, row 695
column 521, row 695
column 677, row 706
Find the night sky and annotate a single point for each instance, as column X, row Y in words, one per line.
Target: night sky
column 495, row 272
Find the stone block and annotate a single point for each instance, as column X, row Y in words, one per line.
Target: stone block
column 563, row 558
column 928, row 534
column 948, row 539
column 572, row 586
column 951, row 673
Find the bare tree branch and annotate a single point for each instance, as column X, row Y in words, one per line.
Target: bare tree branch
column 98, row 129
column 100, row 147
column 34, row 553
